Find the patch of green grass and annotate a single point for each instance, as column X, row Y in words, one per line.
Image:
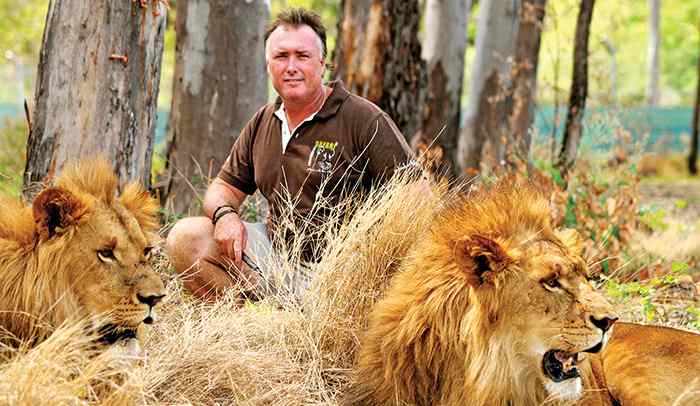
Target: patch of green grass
column 653, row 217
column 13, row 142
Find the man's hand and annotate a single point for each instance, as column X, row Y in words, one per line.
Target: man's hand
column 231, row 237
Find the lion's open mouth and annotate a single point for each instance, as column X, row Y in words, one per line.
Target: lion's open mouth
column 560, row 365
column 111, row 333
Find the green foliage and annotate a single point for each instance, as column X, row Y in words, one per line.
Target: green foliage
column 328, row 10
column 654, row 218
column 13, row 134
column 20, row 42
column 646, row 291
column 680, row 41
column 681, row 204
column 570, row 214
column 22, row 26
column 694, row 313
column 168, row 217
column 624, row 26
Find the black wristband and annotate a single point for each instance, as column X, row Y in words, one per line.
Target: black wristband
column 221, row 211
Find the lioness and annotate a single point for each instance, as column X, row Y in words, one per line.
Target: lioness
column 79, row 252
column 493, row 308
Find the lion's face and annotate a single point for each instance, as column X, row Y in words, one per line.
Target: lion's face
column 112, row 275
column 557, row 314
column 492, row 306
column 100, row 245
column 79, row 253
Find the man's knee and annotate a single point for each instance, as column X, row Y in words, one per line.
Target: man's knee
column 188, row 240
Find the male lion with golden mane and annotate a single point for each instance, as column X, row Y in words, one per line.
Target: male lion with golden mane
column 493, row 307
column 80, row 252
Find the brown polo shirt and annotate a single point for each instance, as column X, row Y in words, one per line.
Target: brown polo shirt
column 349, row 144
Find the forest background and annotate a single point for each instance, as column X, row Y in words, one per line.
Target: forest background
column 630, row 193
column 628, row 130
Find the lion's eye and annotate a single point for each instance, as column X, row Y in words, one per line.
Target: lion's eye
column 106, row 255
column 147, row 252
column 551, row 284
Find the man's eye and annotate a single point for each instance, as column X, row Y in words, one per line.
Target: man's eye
column 106, row 255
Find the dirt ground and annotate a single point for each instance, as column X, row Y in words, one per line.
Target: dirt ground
column 666, row 194
column 680, row 201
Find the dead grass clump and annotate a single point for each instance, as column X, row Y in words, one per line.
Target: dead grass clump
column 288, row 349
column 67, row 369
column 285, row 350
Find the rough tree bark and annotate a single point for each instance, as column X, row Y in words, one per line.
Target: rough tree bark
column 522, row 107
column 501, row 102
column 579, row 89
column 220, row 81
column 377, row 55
column 652, row 88
column 443, row 49
column 693, row 157
column 97, row 87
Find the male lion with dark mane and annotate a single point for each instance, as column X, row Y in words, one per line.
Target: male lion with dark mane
column 80, row 252
column 493, row 307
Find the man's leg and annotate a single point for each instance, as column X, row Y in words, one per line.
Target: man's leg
column 204, row 271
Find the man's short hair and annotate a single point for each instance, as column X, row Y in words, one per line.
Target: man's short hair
column 296, row 17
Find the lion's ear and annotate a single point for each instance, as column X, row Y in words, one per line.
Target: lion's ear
column 485, row 257
column 572, row 240
column 54, row 209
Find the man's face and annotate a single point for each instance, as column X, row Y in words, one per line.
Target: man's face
column 295, row 63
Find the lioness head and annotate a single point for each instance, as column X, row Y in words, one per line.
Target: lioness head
column 86, row 256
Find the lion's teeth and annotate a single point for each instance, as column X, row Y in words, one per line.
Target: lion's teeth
column 568, row 361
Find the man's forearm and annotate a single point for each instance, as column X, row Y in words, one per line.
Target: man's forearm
column 220, row 194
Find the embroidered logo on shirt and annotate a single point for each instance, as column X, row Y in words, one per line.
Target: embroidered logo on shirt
column 321, row 156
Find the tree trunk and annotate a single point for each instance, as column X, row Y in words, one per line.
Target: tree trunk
column 378, row 57
column 443, row 50
column 490, row 85
column 612, row 51
column 579, row 89
column 220, row 81
column 693, row 157
column 652, row 89
column 522, row 107
column 97, row 87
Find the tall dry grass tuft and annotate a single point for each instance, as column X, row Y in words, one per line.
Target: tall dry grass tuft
column 290, row 349
column 285, row 350
column 68, row 369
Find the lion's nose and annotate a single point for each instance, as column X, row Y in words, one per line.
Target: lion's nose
column 604, row 323
column 150, row 300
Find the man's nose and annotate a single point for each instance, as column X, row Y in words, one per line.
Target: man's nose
column 291, row 64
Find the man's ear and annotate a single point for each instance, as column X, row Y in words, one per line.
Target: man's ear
column 483, row 258
column 572, row 240
column 54, row 209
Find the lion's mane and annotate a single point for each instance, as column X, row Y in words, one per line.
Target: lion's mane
column 427, row 344
column 35, row 293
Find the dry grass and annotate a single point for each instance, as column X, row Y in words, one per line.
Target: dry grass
column 284, row 350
